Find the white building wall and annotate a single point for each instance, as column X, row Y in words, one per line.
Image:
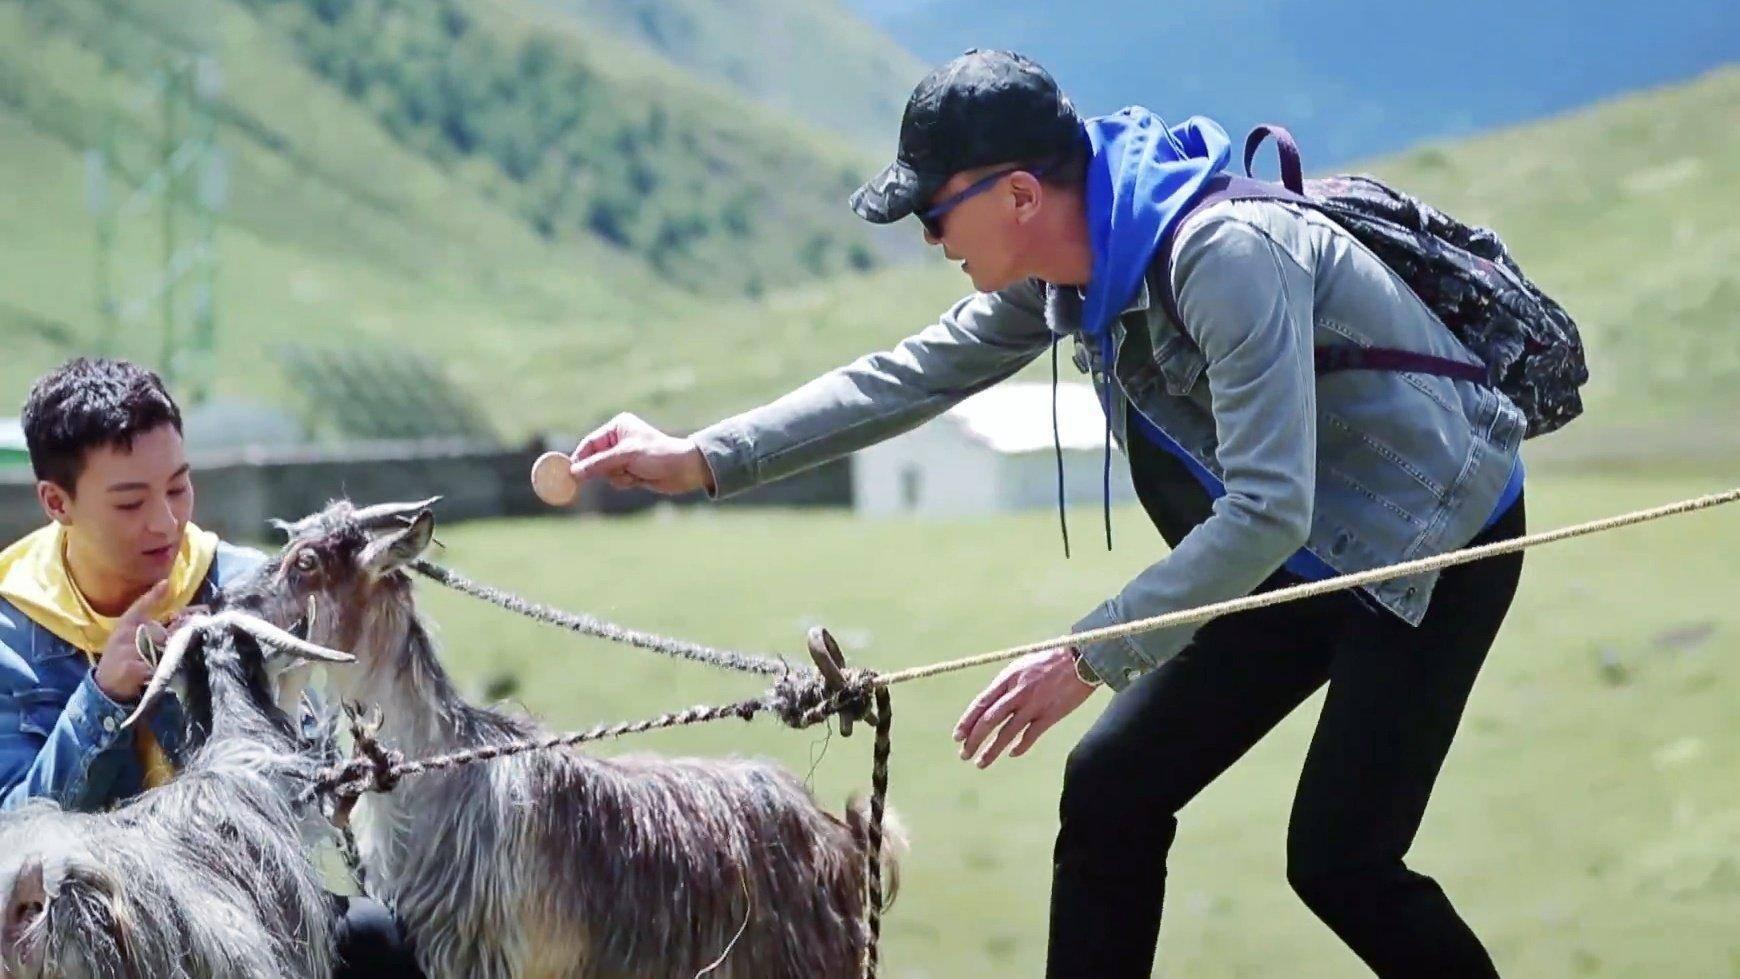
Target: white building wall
column 935, row 470
column 1029, row 479
column 940, row 471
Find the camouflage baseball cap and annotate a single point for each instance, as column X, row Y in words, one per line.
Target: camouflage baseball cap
column 983, row 107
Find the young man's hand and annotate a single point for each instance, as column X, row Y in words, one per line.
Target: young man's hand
column 629, row 453
column 1026, row 699
column 122, row 673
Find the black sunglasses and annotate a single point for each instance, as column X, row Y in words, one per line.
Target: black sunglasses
column 932, row 217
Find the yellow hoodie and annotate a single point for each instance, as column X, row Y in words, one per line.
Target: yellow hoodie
column 34, row 577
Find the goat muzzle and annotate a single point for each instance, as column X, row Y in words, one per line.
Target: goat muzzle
column 26, row 904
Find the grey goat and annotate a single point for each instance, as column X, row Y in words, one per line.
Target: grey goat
column 207, row 877
column 560, row 863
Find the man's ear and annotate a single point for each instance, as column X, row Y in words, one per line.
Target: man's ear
column 1027, row 194
column 56, row 502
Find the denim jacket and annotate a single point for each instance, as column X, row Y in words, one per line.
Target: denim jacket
column 60, row 735
column 1360, row 468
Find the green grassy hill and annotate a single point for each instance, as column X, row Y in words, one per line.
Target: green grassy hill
column 579, row 134
column 581, row 140
column 812, row 58
column 337, row 229
column 1629, row 214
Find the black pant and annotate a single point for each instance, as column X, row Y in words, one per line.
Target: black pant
column 1396, row 695
column 371, row 943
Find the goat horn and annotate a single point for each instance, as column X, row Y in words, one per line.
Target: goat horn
column 167, row 665
column 383, row 515
column 281, row 640
column 293, row 529
column 260, row 629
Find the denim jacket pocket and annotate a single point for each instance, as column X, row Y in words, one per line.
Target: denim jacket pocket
column 1181, row 364
column 39, row 710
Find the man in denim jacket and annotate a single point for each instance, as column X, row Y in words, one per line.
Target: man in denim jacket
column 120, row 552
column 1258, row 473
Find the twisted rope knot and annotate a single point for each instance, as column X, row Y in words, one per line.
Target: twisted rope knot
column 380, row 764
column 804, row 698
column 372, row 766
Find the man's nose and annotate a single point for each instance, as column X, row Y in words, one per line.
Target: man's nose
column 163, row 518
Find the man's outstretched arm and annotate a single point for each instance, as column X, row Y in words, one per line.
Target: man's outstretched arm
column 984, row 339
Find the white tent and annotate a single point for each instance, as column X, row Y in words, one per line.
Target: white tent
column 992, row 453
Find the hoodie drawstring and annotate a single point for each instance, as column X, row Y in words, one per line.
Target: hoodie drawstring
column 1057, row 447
column 1057, row 450
column 1108, row 357
column 1106, row 481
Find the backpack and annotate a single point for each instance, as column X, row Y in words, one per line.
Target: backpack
column 1528, row 346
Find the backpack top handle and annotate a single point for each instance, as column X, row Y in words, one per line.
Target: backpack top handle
column 1292, row 174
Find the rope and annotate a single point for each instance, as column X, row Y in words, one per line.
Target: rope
column 753, row 663
column 878, row 808
column 1310, row 589
column 593, row 626
column 351, row 780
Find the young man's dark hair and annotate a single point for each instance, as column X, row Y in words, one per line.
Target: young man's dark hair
column 89, row 403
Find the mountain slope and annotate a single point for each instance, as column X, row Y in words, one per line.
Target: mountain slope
column 812, row 58
column 580, row 136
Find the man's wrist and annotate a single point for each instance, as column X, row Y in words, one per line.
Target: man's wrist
column 1083, row 671
column 106, row 686
column 703, row 470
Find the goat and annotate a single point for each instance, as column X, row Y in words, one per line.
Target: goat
column 560, row 863
column 206, row 877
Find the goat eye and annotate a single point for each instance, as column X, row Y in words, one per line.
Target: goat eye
column 307, row 561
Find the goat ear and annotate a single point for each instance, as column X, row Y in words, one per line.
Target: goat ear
column 388, row 552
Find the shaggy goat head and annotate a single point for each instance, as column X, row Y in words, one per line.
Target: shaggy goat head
column 341, row 567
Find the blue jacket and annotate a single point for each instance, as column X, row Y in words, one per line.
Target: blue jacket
column 60, row 735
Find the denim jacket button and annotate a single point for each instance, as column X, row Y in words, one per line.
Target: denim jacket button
column 109, row 724
column 1131, row 674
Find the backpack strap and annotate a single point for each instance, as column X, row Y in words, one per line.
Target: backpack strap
column 1345, row 357
column 1330, row 359
column 1218, row 188
column 1292, row 173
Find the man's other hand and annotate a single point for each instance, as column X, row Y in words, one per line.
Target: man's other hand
column 1026, row 699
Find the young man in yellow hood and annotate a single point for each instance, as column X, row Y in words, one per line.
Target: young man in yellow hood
column 120, row 551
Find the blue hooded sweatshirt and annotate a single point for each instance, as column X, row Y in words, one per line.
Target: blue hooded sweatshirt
column 1142, row 179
